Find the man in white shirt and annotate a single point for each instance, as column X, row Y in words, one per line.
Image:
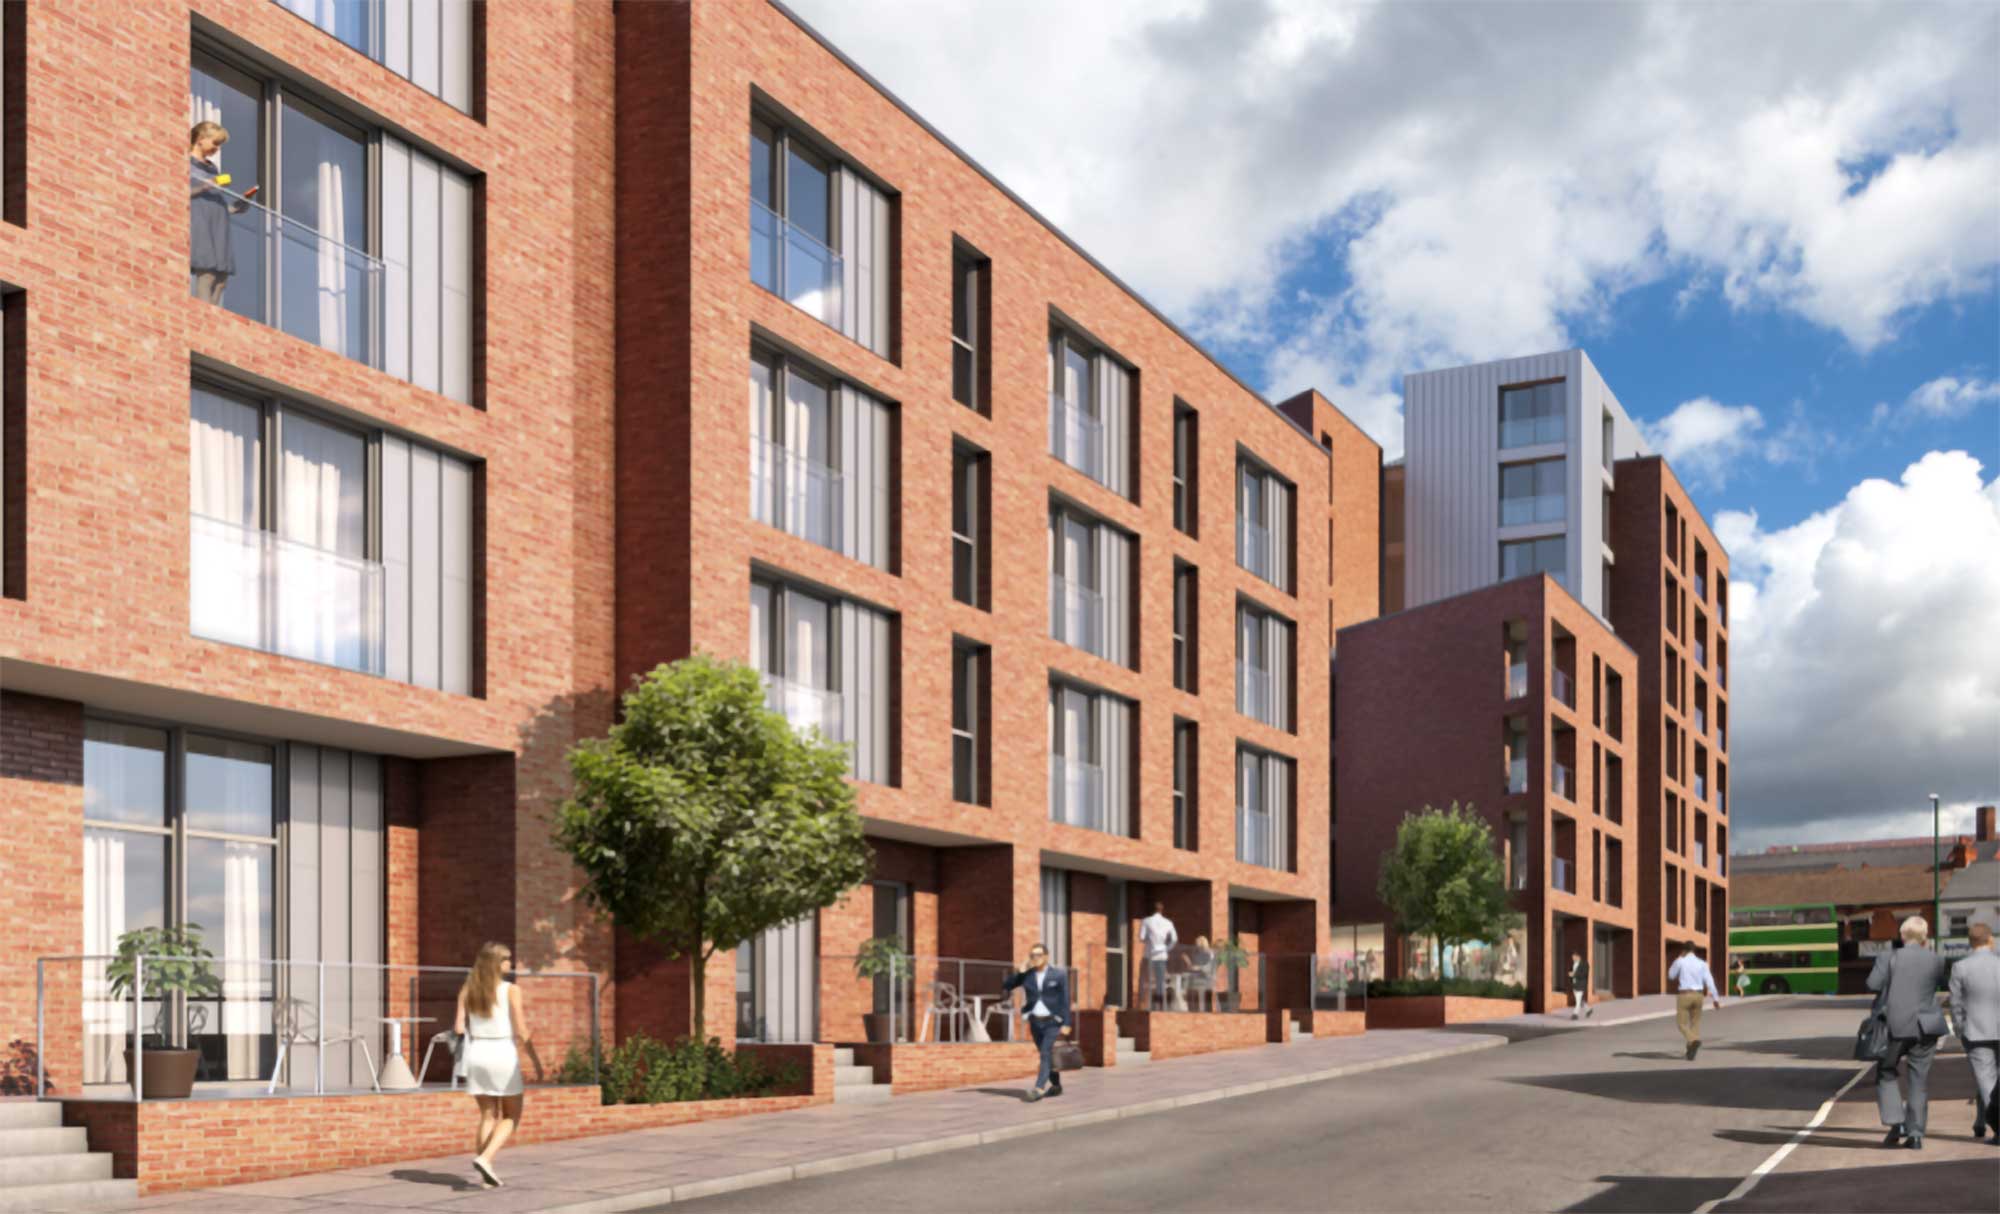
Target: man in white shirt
column 1156, row 940
column 1690, row 978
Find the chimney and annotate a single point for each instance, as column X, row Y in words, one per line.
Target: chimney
column 1984, row 830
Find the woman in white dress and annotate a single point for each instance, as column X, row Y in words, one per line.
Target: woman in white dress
column 493, row 1021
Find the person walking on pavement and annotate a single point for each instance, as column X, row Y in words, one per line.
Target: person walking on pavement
column 1740, row 977
column 1045, row 991
column 1579, row 987
column 1910, row 976
column 1975, row 1013
column 1157, row 937
column 1691, row 980
column 494, row 1023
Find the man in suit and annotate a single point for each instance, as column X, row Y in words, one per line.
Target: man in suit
column 1045, row 995
column 1579, row 987
column 1910, row 977
column 1975, row 1013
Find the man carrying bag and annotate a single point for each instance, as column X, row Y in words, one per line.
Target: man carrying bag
column 1907, row 982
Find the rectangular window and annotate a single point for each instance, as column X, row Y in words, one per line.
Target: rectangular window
column 431, row 45
column 1520, row 558
column 822, row 458
column 1186, row 462
column 1608, row 454
column 1531, row 493
column 1090, row 759
column 1264, row 524
column 969, row 713
column 13, row 423
column 829, row 664
column 322, row 225
column 1090, row 411
column 1532, row 415
column 1263, row 666
column 1187, row 780
column 285, row 557
column 820, row 235
column 1263, row 809
column 1517, row 855
column 969, row 559
column 971, row 331
column 1514, row 753
column 1090, row 584
column 1055, row 915
column 1186, row 621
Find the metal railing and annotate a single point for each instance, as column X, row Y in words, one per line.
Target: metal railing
column 1517, row 774
column 287, row 275
column 795, row 493
column 1204, row 977
column 259, row 1027
column 806, row 707
column 1076, row 794
column 933, row 1001
column 1076, row 614
column 1076, row 438
column 1563, row 875
column 1253, row 549
column 795, row 265
column 1562, row 781
column 1256, row 693
column 254, row 588
column 1259, row 839
column 1517, row 680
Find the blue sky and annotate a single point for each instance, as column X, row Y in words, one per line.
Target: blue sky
column 1774, row 227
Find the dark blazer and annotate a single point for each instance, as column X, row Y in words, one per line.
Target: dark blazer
column 1054, row 994
column 1578, row 977
column 1911, row 976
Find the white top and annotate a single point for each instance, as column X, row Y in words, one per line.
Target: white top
column 1157, row 935
column 1690, row 973
column 499, row 1025
column 1039, row 978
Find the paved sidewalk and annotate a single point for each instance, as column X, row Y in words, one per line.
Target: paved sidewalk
column 1626, row 1011
column 652, row 1167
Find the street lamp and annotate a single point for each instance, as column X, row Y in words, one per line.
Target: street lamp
column 1937, row 904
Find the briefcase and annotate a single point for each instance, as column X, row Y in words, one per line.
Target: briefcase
column 1067, row 1056
column 1871, row 1042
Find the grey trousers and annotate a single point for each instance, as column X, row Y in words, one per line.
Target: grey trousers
column 1896, row 1109
column 1985, row 1059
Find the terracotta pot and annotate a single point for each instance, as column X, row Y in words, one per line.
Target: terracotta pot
column 168, row 1074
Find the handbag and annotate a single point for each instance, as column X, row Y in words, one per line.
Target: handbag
column 1067, row 1056
column 1871, row 1042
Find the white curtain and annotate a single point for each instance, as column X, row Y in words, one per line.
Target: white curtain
column 226, row 550
column 326, row 586
column 105, row 1020
column 763, row 467
column 332, row 271
column 243, row 939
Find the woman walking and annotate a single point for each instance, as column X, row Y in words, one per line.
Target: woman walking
column 1045, row 992
column 494, row 1023
column 211, row 258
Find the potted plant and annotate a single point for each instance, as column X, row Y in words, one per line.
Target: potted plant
column 1230, row 956
column 882, row 957
column 175, row 963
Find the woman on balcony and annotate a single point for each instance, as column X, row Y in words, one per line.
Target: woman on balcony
column 210, row 257
column 492, row 1020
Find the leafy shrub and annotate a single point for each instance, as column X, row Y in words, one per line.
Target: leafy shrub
column 642, row 1070
column 1471, row 988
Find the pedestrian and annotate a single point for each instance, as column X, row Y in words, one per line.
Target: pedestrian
column 494, row 1022
column 1157, row 937
column 1741, row 977
column 1045, row 992
column 1910, row 977
column 1579, row 987
column 1691, row 979
column 1975, row 1013
column 211, row 256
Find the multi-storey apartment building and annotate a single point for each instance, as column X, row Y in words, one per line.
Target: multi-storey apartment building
column 326, row 534
column 1521, row 473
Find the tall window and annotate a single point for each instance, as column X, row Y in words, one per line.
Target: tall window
column 968, row 717
column 1519, row 558
column 1090, row 759
column 1090, row 411
column 970, row 329
column 968, row 525
column 1531, row 493
column 429, row 44
column 820, row 235
column 1090, row 584
column 1263, row 809
column 829, row 664
column 1263, row 666
column 1187, row 754
column 1186, row 462
column 821, row 458
column 1531, row 415
column 1264, row 524
column 1186, row 620
column 1514, row 753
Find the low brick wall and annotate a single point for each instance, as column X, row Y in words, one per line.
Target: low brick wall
column 170, row 1145
column 815, row 1063
column 932, row 1068
column 1435, row 1011
column 1097, row 1033
column 1338, row 1024
column 1183, row 1034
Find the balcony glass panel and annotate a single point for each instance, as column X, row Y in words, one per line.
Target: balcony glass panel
column 1076, row 793
column 806, row 707
column 1565, row 688
column 792, row 263
column 794, row 493
column 1517, row 775
column 1517, row 680
column 1563, row 782
column 1255, row 693
column 1076, row 438
column 281, row 272
column 1701, row 788
column 1564, row 875
column 1253, row 548
column 1076, row 614
column 252, row 588
column 1255, row 840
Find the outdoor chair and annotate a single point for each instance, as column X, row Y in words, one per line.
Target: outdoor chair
column 945, row 1009
column 297, row 1023
column 448, row 1038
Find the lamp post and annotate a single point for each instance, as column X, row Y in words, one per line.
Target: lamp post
column 1937, row 903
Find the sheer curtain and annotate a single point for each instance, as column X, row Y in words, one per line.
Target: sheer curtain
column 333, row 270
column 326, row 585
column 244, row 978
column 225, row 583
column 105, row 1020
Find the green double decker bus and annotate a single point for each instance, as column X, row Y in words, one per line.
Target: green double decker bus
column 1786, row 950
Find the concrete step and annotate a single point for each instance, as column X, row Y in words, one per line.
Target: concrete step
column 853, row 1076
column 52, row 1169
column 1133, row 1058
column 29, row 1114
column 44, row 1140
column 79, row 1194
column 843, row 1056
column 1127, row 1043
column 859, row 1093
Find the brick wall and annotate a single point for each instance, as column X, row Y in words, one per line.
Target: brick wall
column 1182, row 1034
column 932, row 1068
column 41, row 868
column 1415, row 1012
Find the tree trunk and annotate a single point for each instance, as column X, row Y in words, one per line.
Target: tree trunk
column 698, row 975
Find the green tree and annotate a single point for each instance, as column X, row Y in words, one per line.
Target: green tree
column 704, row 818
column 1444, row 879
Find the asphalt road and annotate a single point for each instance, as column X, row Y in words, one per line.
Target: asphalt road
column 1608, row 1119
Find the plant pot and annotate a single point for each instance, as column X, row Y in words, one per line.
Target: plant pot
column 878, row 1026
column 168, row 1074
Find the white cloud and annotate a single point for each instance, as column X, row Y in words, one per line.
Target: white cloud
column 1702, row 437
column 1481, row 180
column 1943, row 398
column 1865, row 647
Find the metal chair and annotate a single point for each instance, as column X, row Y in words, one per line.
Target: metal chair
column 946, row 1008
column 449, row 1039
column 296, row 1022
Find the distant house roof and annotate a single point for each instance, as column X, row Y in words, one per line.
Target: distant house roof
column 1876, row 853
column 1869, row 885
column 1978, row 882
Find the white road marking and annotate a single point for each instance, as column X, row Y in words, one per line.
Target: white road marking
column 1778, row 1156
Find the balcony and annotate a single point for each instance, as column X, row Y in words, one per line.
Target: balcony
column 1562, row 781
column 1256, row 693
column 1076, row 438
column 1076, row 794
column 1517, row 680
column 1701, row 655
column 1253, row 549
column 1700, row 853
column 1517, row 775
column 1076, row 614
column 286, row 275
column 1531, row 431
column 1700, row 787
column 795, row 494
column 256, row 589
column 1565, row 688
column 806, row 707
column 1532, row 508
column 1256, row 840
column 1563, row 875
column 1700, row 588
column 794, row 265
column 1701, row 722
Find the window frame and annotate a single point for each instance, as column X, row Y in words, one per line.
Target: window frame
column 971, row 290
column 971, row 470
column 970, row 691
column 1187, row 461
column 778, row 623
column 1187, row 784
column 1536, row 388
column 1186, row 617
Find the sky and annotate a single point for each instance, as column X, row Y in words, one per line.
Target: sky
column 1774, row 227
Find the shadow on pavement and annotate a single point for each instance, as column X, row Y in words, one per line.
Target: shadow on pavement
column 1829, row 1049
column 1011, row 1093
column 1653, row 1055
column 1513, row 1032
column 1920, row 1188
column 1644, row 1194
column 458, row 1184
column 1748, row 1087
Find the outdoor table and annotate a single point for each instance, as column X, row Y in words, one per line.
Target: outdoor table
column 982, row 1007
column 396, row 1074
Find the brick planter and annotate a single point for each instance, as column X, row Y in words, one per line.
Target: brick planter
column 170, row 1145
column 932, row 1068
column 1183, row 1034
column 1097, row 1033
column 1435, row 1011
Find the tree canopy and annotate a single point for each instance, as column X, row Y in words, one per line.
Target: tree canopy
column 1444, row 878
column 703, row 818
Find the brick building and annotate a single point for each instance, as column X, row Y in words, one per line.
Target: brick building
column 341, row 497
